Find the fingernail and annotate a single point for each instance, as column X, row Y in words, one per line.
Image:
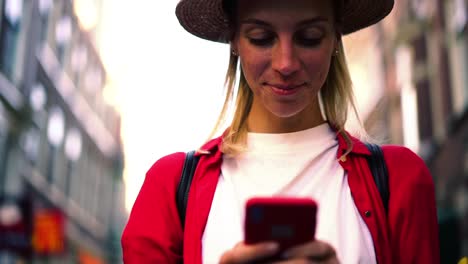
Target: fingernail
column 272, row 246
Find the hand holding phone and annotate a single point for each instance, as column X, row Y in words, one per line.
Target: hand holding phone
column 285, row 220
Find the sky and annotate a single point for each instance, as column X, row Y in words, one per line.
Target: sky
column 168, row 84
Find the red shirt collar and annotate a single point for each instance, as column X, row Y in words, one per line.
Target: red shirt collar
column 359, row 147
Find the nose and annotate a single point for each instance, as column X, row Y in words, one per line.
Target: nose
column 284, row 58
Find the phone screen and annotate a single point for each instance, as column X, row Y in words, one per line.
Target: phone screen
column 288, row 221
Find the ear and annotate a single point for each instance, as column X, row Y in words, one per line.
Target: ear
column 337, row 37
column 337, row 41
column 234, row 47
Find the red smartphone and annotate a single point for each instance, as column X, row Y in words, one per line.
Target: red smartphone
column 286, row 220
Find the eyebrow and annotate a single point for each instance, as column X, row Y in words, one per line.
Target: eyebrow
column 302, row 23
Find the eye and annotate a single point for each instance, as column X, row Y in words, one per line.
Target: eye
column 260, row 37
column 262, row 41
column 308, row 42
column 309, row 38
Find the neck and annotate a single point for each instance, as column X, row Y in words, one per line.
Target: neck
column 264, row 121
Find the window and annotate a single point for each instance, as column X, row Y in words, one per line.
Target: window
column 458, row 54
column 408, row 98
column 44, row 10
column 30, row 144
column 56, row 127
column 63, row 33
column 10, row 24
column 422, row 9
column 73, row 144
column 73, row 147
column 459, row 18
column 38, row 97
column 55, row 134
column 38, row 101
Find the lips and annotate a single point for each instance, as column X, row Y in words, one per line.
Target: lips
column 284, row 89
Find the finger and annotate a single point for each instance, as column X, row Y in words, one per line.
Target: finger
column 333, row 260
column 243, row 253
column 295, row 261
column 316, row 250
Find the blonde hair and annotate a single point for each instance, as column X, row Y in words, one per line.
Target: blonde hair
column 336, row 94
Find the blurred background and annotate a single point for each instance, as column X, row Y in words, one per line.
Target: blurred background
column 92, row 92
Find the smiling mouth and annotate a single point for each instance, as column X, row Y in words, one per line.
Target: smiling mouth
column 284, row 89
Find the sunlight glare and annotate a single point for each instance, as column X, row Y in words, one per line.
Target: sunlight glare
column 166, row 83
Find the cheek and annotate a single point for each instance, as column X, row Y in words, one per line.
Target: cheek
column 318, row 67
column 253, row 66
column 254, row 62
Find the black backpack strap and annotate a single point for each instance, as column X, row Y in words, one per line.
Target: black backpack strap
column 379, row 171
column 183, row 189
column 376, row 163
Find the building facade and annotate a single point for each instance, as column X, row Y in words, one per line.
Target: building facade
column 424, row 50
column 61, row 187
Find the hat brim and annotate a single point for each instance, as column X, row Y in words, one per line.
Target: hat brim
column 206, row 18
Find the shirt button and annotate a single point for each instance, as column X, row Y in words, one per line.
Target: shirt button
column 368, row 213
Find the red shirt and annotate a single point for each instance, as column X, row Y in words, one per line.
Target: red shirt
column 407, row 233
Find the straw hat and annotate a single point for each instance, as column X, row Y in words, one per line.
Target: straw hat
column 207, row 19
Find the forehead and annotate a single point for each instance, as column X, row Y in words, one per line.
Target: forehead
column 282, row 9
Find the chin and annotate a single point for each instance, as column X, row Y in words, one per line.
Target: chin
column 286, row 113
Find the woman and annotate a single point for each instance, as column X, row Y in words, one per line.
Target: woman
column 280, row 142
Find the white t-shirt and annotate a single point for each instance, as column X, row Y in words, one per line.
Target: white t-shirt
column 301, row 163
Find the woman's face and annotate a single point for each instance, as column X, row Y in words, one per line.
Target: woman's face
column 285, row 49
